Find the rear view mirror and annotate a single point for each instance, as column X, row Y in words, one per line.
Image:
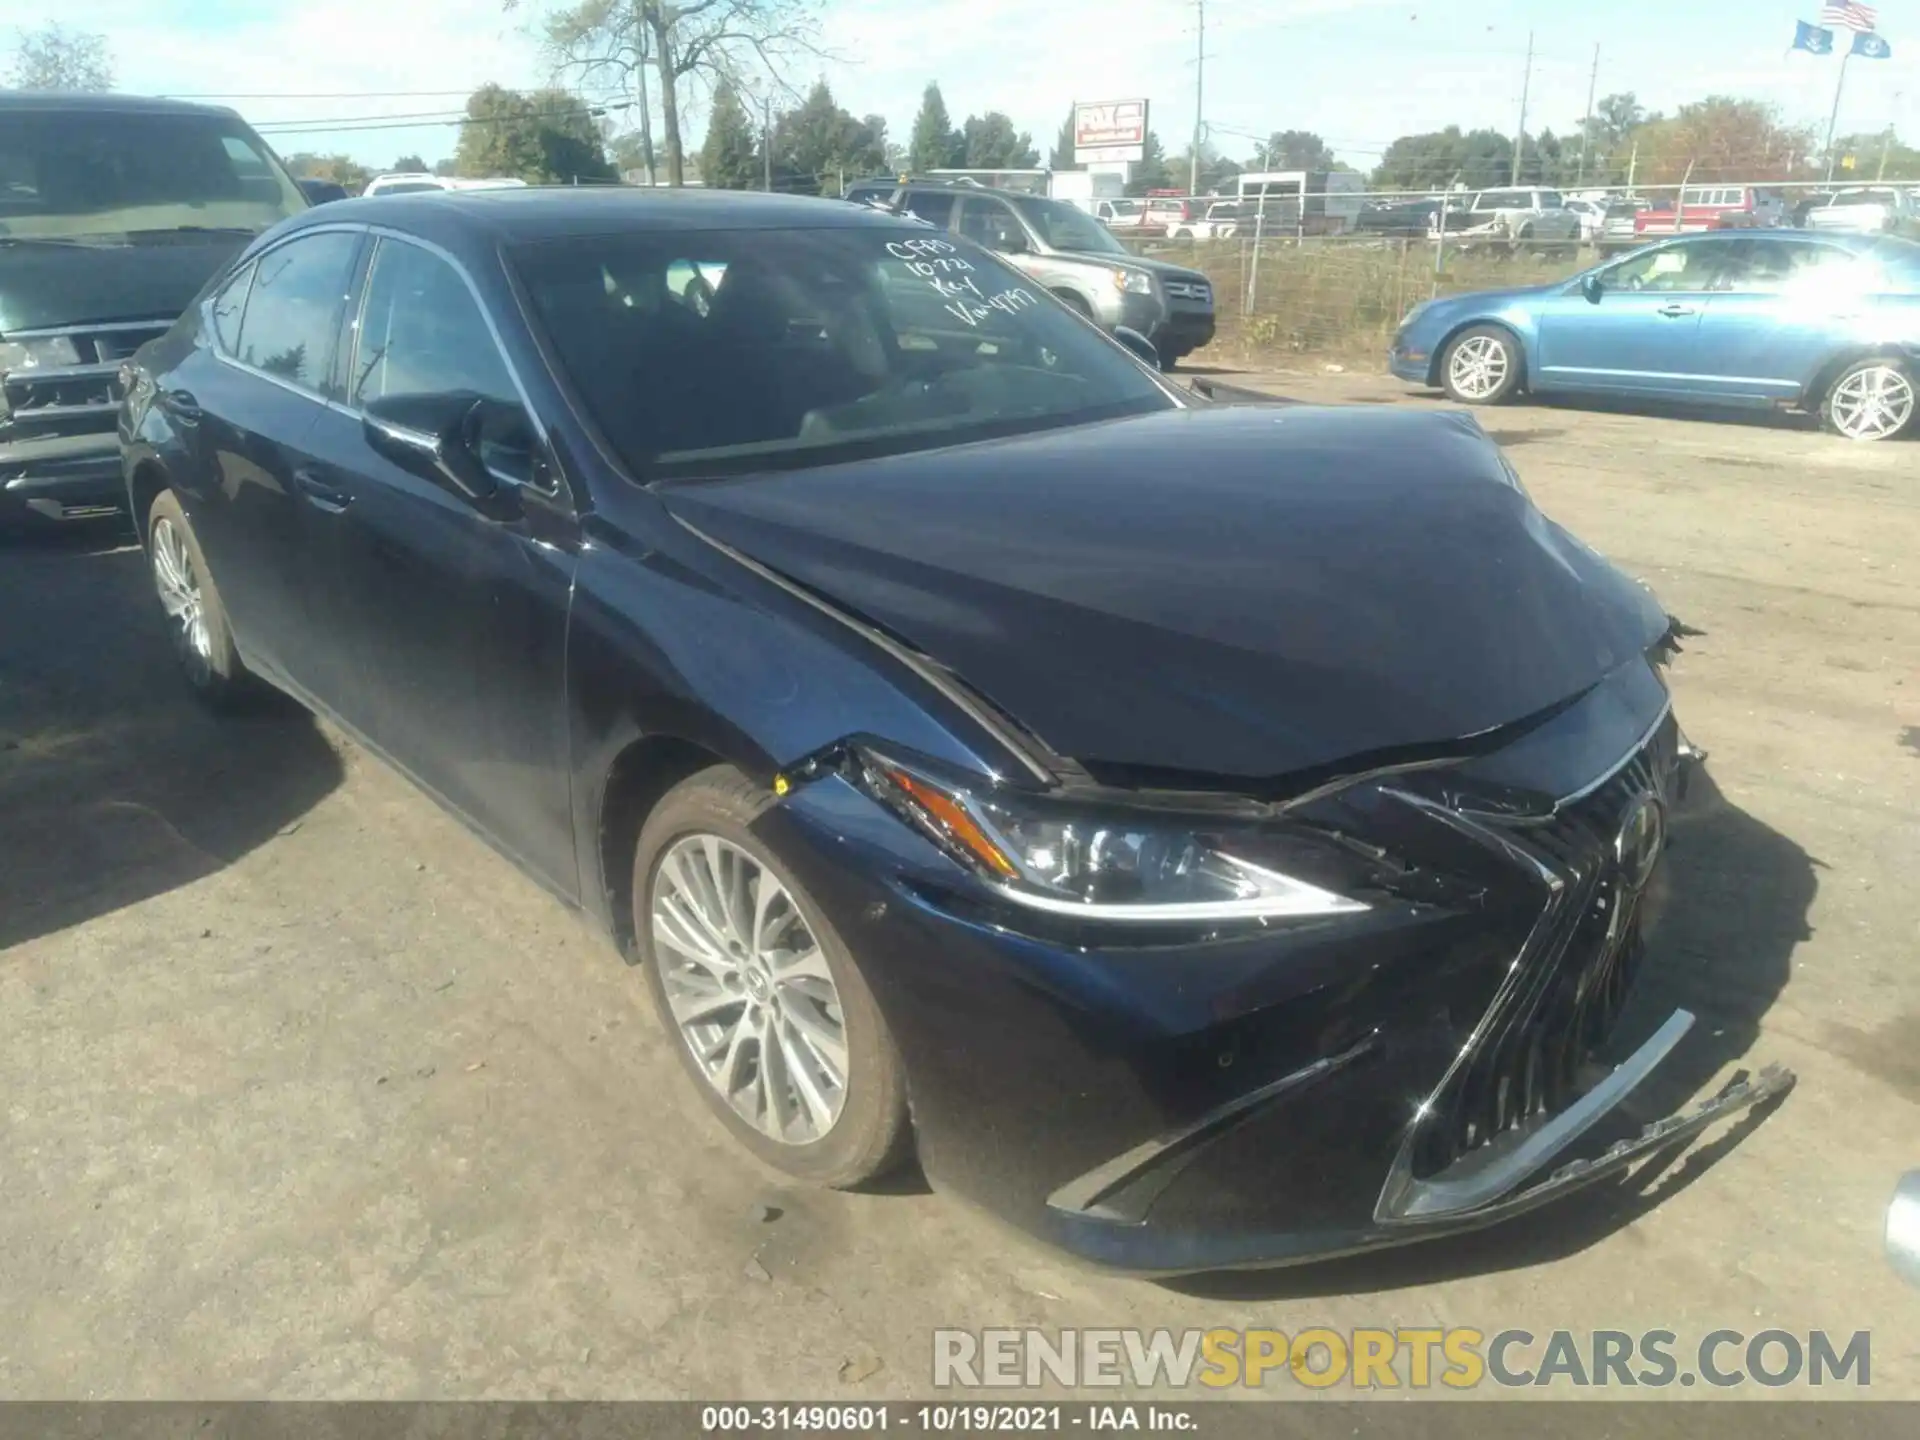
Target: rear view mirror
column 1139, row 344
column 1593, row 287
column 434, row 437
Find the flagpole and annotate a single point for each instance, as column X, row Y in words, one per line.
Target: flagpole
column 1833, row 120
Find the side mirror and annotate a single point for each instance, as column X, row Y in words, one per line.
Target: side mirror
column 1593, row 287
column 1903, row 1227
column 434, row 437
column 1139, row 344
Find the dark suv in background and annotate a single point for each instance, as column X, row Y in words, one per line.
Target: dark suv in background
column 114, row 212
column 1065, row 249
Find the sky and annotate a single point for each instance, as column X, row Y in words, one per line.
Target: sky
column 1358, row 72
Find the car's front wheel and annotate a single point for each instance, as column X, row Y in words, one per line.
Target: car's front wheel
column 1871, row 400
column 1482, row 366
column 768, row 1009
column 196, row 620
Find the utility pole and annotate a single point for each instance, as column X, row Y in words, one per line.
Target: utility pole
column 766, row 141
column 1586, row 126
column 1520, row 140
column 1199, row 100
column 1834, row 119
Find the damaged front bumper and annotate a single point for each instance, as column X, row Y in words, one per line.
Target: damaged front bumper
column 1105, row 1215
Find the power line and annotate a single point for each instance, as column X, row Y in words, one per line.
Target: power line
column 312, row 94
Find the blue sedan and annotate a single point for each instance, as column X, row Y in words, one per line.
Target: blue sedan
column 1824, row 323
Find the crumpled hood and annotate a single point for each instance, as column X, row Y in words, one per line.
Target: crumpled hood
column 1241, row 592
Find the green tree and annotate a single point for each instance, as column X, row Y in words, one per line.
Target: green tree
column 1151, row 172
column 1293, row 150
column 730, row 158
column 1723, row 137
column 1476, row 158
column 410, row 164
column 56, row 58
column 934, row 144
column 341, row 169
column 1062, row 156
column 1879, row 156
column 817, row 145
column 991, row 143
column 544, row 138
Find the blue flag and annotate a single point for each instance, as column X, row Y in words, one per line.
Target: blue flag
column 1869, row 46
column 1812, row 39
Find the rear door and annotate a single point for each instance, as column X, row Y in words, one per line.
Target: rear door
column 457, row 617
column 1643, row 334
column 251, row 399
column 1784, row 307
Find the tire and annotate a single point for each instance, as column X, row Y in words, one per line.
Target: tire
column 1482, row 365
column 196, row 619
column 1871, row 400
column 868, row 1132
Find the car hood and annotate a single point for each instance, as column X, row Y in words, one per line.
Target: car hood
column 1238, row 593
column 42, row 286
column 1490, row 299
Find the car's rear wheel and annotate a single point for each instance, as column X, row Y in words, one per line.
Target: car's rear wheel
column 1482, row 366
column 196, row 619
column 1871, row 400
column 769, row 1012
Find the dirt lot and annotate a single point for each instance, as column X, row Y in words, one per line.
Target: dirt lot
column 307, row 1094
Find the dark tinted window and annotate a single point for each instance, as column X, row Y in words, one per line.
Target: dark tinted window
column 99, row 172
column 933, row 206
column 992, row 223
column 422, row 333
column 229, row 305
column 804, row 347
column 294, row 309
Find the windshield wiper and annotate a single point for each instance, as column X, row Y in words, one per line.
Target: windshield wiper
column 198, row 230
column 82, row 242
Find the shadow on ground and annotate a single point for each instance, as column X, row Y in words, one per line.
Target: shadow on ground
column 115, row 785
column 1732, row 906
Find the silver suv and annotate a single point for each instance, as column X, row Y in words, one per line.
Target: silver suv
column 1065, row 249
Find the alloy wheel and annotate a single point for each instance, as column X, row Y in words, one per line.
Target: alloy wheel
column 178, row 584
column 749, row 989
column 1478, row 367
column 1872, row 403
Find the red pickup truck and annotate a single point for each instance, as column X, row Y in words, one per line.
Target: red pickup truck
column 1714, row 207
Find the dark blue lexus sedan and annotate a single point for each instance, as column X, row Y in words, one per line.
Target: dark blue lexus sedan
column 1210, row 835
column 1824, row 323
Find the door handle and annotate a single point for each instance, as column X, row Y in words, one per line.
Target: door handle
column 325, row 497
column 1674, row 312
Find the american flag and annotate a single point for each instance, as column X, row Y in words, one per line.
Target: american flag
column 1850, row 13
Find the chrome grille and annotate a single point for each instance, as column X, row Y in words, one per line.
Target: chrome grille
column 72, row 399
column 1189, row 290
column 1573, row 976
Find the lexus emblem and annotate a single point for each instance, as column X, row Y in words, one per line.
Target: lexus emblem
column 1643, row 835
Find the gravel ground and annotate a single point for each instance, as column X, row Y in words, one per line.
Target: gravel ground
column 308, row 1094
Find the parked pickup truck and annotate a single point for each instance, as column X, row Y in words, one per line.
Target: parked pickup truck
column 1521, row 217
column 1718, row 207
column 114, row 213
column 1873, row 209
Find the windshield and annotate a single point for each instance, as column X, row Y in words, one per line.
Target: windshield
column 723, row 353
column 81, row 174
column 1066, row 227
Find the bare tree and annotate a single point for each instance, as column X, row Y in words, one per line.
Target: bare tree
column 56, row 58
column 597, row 39
column 691, row 45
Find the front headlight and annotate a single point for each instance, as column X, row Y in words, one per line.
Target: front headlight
column 47, row 353
column 1110, row 864
column 1133, row 282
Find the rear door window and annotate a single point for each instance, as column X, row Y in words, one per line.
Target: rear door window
column 293, row 310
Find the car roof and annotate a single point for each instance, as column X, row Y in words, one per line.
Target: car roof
column 44, row 101
column 534, row 213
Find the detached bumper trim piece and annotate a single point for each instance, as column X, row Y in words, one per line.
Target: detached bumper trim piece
column 1483, row 1176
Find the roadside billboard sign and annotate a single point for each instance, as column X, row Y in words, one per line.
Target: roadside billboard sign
column 1108, row 131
